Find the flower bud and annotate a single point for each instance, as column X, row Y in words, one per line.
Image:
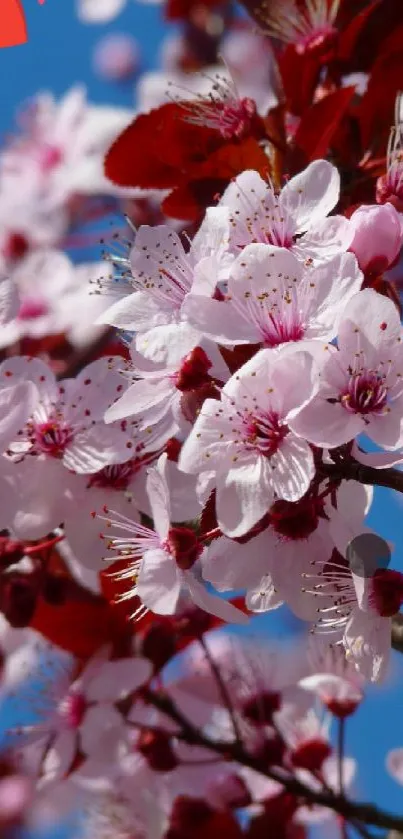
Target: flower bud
column 311, row 754
column 378, row 237
column 155, row 746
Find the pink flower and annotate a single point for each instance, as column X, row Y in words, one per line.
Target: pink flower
column 378, row 237
column 66, row 419
column 168, row 398
column 295, row 218
column 247, row 440
column 162, row 274
column 394, row 764
column 78, row 712
column 99, row 11
column 271, row 299
column 362, row 610
column 310, row 28
column 116, row 57
column 46, row 294
column 333, row 679
column 361, row 382
column 61, row 147
column 160, row 560
column 389, row 187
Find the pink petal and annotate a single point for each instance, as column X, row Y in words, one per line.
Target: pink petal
column 158, row 493
column 394, row 764
column 264, row 597
column 116, row 679
column 244, row 495
column 158, row 582
column 312, row 194
column 16, row 405
column 211, row 603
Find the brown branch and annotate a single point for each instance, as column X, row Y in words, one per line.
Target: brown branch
column 351, row 470
column 365, row 813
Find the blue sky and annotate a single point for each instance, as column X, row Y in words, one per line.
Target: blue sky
column 59, row 54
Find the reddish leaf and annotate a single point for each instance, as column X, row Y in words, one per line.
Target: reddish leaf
column 376, row 111
column 320, row 122
column 157, row 147
column 207, row 180
column 300, row 75
column 349, row 37
column 380, row 22
column 81, row 626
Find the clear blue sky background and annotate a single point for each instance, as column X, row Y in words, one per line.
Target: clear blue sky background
column 59, row 55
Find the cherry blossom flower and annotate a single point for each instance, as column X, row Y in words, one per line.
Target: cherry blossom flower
column 273, row 565
column 394, row 764
column 271, row 299
column 66, row 419
column 61, row 146
column 247, row 440
column 310, row 28
column 160, row 560
column 360, row 382
column 334, row 678
column 116, row 57
column 77, row 712
column 45, row 295
column 162, row 275
column 99, row 11
column 360, row 616
column 168, row 398
column 295, row 218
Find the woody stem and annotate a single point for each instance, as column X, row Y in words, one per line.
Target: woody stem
column 362, row 813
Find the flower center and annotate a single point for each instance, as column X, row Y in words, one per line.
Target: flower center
column 234, row 119
column 72, row 709
column 49, row 157
column 311, row 754
column 260, row 708
column 31, row 309
column 52, row 437
column 119, row 475
column 296, row 519
column 279, row 330
column 320, row 41
column 16, row 246
column 265, row 432
column 193, row 372
column 365, row 394
column 386, row 595
column 183, row 545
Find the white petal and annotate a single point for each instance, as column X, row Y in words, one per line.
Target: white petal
column 99, row 11
column 394, row 764
column 213, row 604
column 116, row 679
column 158, row 583
column 312, row 194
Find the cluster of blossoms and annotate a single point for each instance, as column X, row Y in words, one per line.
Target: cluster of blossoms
column 191, row 427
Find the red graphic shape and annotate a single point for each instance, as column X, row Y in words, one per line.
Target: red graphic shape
column 13, row 28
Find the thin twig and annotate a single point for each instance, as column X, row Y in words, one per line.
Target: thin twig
column 225, row 696
column 340, row 752
column 357, row 812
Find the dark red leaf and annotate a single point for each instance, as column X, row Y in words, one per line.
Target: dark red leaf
column 320, row 122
